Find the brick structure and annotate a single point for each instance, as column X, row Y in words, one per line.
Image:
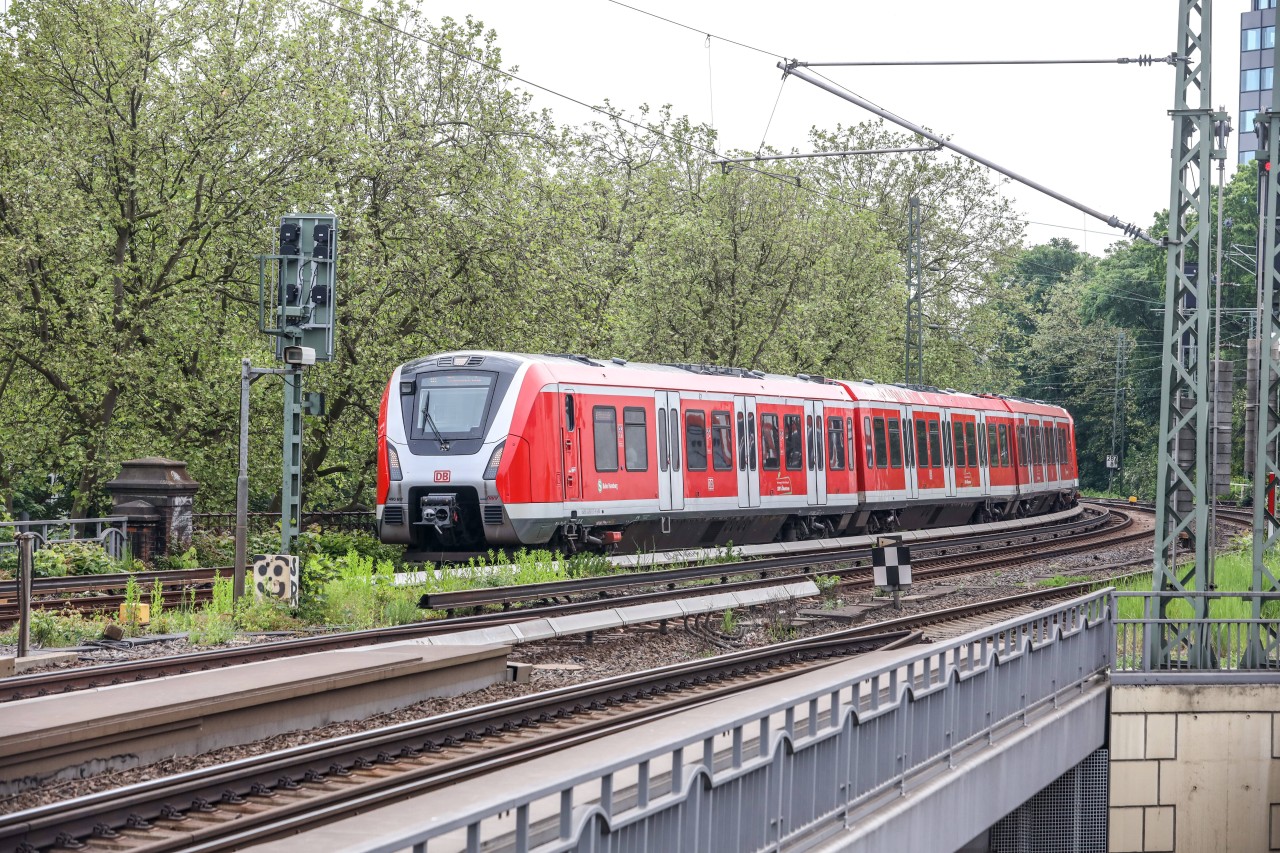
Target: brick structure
column 157, row 495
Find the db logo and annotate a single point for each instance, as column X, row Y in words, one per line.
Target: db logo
column 442, row 476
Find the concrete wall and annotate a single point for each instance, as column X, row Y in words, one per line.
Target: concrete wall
column 1195, row 768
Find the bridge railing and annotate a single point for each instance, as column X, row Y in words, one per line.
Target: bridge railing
column 1230, row 639
column 110, row 532
column 789, row 760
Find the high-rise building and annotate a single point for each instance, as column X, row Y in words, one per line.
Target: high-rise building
column 1257, row 43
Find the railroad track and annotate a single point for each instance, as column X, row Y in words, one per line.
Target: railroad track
column 92, row 593
column 994, row 551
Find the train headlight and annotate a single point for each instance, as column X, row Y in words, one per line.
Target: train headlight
column 491, row 470
column 393, row 463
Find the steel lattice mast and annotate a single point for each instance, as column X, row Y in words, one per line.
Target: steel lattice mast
column 914, row 361
column 1182, row 500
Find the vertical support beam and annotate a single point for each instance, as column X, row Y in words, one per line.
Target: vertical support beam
column 291, row 493
column 1185, row 373
column 242, row 486
column 1117, row 411
column 914, row 361
column 1267, row 413
column 26, row 568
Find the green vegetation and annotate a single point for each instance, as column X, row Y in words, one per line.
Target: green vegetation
column 728, row 622
column 1062, row 580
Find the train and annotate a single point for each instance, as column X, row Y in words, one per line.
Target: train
column 481, row 450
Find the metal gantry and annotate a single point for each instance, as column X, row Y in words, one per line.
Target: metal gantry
column 1182, row 507
column 914, row 362
column 1267, row 413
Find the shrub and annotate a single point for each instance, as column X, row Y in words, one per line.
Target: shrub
column 264, row 614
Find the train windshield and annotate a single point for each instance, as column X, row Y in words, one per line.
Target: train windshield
column 452, row 404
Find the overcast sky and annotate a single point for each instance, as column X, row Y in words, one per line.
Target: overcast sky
column 1100, row 134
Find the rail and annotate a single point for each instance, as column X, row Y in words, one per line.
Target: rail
column 921, row 711
column 1229, row 640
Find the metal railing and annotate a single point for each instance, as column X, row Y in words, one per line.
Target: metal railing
column 1231, row 639
column 724, row 781
column 263, row 522
column 110, row 532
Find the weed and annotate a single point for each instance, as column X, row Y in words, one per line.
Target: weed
column 208, row 628
column 728, row 622
column 264, row 614
column 827, row 586
column 1062, row 580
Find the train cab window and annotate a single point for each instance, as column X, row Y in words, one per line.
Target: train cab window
column 604, row 421
column 922, row 443
column 635, row 439
column 866, row 438
column 794, row 442
column 751, row 440
column 664, row 455
column 881, row 442
column 895, row 443
column 568, row 413
column 695, row 439
column 993, row 446
column 957, row 441
column 742, row 443
column 935, row 445
column 770, row 459
column 835, row 444
column 673, row 421
column 971, row 444
column 909, row 441
column 721, row 442
column 1004, row 445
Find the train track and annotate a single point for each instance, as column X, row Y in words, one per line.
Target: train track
column 944, row 562
column 93, row 593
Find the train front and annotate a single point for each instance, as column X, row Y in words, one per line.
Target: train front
column 442, row 430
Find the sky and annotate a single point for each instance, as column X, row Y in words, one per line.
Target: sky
column 1100, row 134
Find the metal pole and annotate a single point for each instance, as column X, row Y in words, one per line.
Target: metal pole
column 913, row 368
column 26, row 566
column 291, row 492
column 1214, row 486
column 242, row 486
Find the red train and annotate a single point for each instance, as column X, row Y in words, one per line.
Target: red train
column 480, row 450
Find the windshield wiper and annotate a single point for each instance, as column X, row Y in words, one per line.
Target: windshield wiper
column 431, row 422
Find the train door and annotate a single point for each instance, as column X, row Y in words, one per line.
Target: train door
column 744, row 414
column 815, row 453
column 670, row 467
column 1025, row 480
column 984, row 461
column 1035, row 433
column 948, row 456
column 571, row 444
column 910, row 444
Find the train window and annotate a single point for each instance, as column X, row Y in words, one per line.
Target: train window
column 946, row 443
column 794, row 442
column 993, row 446
column 751, row 440
column 922, row 443
column 819, row 452
column 808, row 439
column 835, row 444
column 742, row 443
column 971, row 444
column 895, row 443
column 957, row 441
column 568, row 412
column 635, row 439
column 853, row 450
column 882, row 453
column 1050, row 446
column 721, row 442
column 982, row 445
column 1062, row 444
column 1004, row 445
column 674, row 422
column 605, row 422
column 1023, row 455
column 1037, row 452
column 866, row 437
column 770, row 459
column 664, row 457
column 695, row 439
column 935, row 445
column 909, row 440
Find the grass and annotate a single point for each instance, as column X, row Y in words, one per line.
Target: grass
column 1062, row 580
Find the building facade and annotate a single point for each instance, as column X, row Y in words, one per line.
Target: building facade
column 1257, row 43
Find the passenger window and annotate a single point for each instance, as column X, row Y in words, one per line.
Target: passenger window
column 1004, row 445
column 742, row 443
column 835, row 443
column 1037, row 455
column 866, row 437
column 674, row 422
column 946, row 442
column 1024, row 457
column 922, row 444
column 1062, row 444
column 935, row 445
column 769, row 457
column 882, row 455
column 993, row 446
column 568, row 412
column 605, row 422
column 635, row 439
column 751, row 440
column 695, row 439
column 664, row 458
column 909, row 441
column 721, row 442
column 1050, row 446
column 808, row 438
column 853, row 450
column 971, row 444
column 895, row 444
column 957, row 436
column 794, row 442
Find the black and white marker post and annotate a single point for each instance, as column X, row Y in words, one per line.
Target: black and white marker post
column 891, row 567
